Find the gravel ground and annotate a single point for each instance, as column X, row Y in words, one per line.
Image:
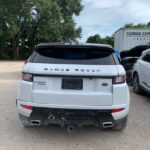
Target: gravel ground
column 13, row 136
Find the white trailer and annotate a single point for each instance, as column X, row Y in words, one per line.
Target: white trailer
column 127, row 38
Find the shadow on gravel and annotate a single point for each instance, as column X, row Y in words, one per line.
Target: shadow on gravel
column 145, row 95
column 57, row 132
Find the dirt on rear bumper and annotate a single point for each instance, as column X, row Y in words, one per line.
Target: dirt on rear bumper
column 71, row 116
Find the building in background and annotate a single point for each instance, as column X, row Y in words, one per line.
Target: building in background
column 128, row 38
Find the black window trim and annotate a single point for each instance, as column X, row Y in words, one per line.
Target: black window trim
column 148, row 53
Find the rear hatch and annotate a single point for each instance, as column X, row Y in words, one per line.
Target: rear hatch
column 73, row 76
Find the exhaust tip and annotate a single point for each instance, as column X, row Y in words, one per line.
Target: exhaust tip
column 107, row 125
column 36, row 122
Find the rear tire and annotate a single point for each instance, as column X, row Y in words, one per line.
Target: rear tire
column 136, row 84
column 120, row 124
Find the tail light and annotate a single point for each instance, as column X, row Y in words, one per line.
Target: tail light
column 117, row 110
column 27, row 77
column 119, row 79
column 27, row 107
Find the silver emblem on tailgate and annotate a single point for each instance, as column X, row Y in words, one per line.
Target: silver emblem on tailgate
column 104, row 84
column 75, row 70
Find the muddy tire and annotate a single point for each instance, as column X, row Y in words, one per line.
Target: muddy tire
column 136, row 84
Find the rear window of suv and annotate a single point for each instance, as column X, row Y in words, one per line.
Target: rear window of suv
column 88, row 56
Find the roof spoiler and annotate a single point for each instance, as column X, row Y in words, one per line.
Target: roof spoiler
column 101, row 47
column 148, row 50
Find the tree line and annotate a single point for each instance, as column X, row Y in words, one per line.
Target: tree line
column 25, row 23
column 110, row 39
column 102, row 40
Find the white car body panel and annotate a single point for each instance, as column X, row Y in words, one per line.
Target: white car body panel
column 93, row 96
column 143, row 69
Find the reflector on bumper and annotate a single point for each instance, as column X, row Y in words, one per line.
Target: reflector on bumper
column 117, row 110
column 27, row 107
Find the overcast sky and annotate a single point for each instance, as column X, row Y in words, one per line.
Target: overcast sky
column 104, row 17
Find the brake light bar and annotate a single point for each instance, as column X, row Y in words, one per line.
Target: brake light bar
column 117, row 110
column 27, row 107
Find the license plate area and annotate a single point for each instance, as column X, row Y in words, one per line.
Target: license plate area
column 72, row 84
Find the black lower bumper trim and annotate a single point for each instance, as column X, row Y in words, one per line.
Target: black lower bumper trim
column 71, row 116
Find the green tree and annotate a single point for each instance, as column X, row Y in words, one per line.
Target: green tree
column 98, row 39
column 68, row 9
column 94, row 39
column 140, row 25
column 130, row 25
column 12, row 21
column 148, row 24
column 24, row 23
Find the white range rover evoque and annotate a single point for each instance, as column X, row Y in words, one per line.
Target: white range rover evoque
column 73, row 85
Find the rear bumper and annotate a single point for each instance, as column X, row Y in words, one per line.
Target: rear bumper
column 71, row 116
column 44, row 108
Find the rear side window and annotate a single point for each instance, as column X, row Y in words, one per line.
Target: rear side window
column 86, row 56
column 30, row 59
column 147, row 57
